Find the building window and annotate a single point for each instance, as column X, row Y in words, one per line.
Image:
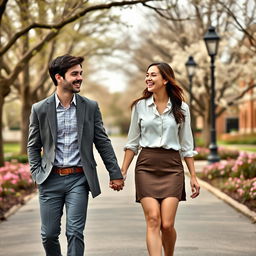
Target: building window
column 232, row 125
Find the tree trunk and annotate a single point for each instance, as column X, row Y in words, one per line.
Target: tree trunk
column 25, row 86
column 25, row 108
column 1, row 130
column 25, row 112
column 4, row 91
column 206, row 133
column 207, row 129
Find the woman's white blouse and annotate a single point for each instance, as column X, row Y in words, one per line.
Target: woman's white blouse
column 150, row 129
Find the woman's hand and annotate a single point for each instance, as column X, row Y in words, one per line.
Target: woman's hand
column 124, row 176
column 195, row 187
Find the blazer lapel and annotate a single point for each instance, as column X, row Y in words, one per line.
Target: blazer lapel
column 80, row 114
column 52, row 117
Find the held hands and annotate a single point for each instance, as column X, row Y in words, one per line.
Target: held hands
column 195, row 187
column 116, row 185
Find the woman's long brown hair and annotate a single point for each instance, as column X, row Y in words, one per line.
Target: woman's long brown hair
column 174, row 91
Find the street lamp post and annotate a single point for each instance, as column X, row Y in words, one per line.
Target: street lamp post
column 212, row 42
column 191, row 67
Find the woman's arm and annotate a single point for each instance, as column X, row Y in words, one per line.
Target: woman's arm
column 128, row 157
column 131, row 148
column 195, row 187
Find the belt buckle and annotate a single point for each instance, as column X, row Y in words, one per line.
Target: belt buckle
column 63, row 174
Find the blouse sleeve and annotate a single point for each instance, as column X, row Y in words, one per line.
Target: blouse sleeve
column 186, row 136
column 134, row 132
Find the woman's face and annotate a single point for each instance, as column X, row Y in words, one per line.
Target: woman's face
column 154, row 80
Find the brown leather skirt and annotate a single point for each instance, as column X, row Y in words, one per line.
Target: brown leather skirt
column 159, row 174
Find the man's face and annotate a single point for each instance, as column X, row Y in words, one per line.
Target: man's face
column 73, row 79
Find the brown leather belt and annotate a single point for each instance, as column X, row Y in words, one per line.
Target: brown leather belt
column 67, row 170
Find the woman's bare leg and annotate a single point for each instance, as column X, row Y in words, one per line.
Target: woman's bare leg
column 168, row 212
column 152, row 214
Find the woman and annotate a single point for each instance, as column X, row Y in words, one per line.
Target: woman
column 160, row 125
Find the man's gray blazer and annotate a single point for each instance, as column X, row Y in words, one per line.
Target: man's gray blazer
column 43, row 137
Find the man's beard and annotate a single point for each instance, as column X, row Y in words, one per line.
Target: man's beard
column 74, row 89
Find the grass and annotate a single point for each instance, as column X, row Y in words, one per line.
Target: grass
column 249, row 148
column 238, row 146
column 11, row 147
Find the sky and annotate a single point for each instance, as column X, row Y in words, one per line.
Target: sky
column 115, row 80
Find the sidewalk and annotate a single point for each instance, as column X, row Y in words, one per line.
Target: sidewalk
column 115, row 225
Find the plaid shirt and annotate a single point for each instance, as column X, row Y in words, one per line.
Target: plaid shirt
column 67, row 150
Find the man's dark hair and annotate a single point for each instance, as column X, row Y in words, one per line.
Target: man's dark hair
column 61, row 64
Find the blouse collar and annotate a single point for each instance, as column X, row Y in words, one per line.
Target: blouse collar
column 150, row 101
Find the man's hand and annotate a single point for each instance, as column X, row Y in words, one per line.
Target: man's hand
column 116, row 184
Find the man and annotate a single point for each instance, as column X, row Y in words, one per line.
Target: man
column 64, row 127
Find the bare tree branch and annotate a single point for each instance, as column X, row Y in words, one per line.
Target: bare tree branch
column 67, row 21
column 226, row 86
column 43, row 76
column 250, row 37
column 54, row 32
column 161, row 14
column 198, row 106
column 18, row 68
column 2, row 8
column 12, row 99
column 235, row 100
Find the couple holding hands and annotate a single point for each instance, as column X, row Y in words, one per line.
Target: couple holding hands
column 66, row 125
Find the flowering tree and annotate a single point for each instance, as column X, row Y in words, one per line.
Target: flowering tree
column 179, row 33
column 43, row 22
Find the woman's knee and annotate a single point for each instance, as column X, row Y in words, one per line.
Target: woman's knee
column 167, row 226
column 153, row 220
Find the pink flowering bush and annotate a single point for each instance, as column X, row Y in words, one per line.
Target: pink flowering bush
column 224, row 153
column 252, row 190
column 245, row 166
column 15, row 181
column 245, row 188
column 202, row 153
column 240, row 176
column 219, row 169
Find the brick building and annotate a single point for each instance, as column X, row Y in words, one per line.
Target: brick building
column 247, row 112
column 241, row 118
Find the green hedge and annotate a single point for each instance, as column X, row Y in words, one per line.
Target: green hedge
column 248, row 139
column 18, row 158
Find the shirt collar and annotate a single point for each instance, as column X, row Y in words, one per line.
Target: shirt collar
column 150, row 101
column 58, row 101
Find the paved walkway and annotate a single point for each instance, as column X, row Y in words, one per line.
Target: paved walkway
column 115, row 225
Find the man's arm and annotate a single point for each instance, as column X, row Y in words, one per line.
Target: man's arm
column 105, row 149
column 34, row 144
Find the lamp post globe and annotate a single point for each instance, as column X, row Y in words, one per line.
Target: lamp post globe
column 211, row 40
